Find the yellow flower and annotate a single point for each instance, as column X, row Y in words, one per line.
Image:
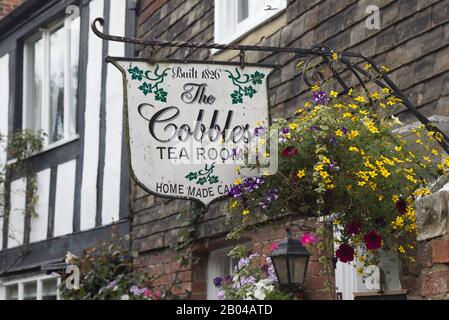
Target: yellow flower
column 315, row 87
column 325, row 160
column 394, row 198
column 384, row 172
column 334, row 56
column 324, row 174
column 435, row 152
column 360, row 99
column 333, row 94
column 353, row 149
column 233, row 204
column 367, row 66
column 339, row 133
column 330, row 186
column 245, row 212
column 347, row 115
column 373, row 174
column 359, row 270
column 353, row 134
column 401, row 249
column 352, row 106
column 398, row 148
column 375, row 95
column 293, row 126
column 426, row 158
column 301, row 173
column 361, row 183
column 318, row 167
column 385, row 90
column 350, row 92
column 381, row 198
column 238, row 181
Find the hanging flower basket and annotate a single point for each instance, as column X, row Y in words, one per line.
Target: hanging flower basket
column 339, row 157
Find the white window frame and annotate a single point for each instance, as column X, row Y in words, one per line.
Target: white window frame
column 227, row 29
column 22, row 281
column 44, row 34
column 213, row 268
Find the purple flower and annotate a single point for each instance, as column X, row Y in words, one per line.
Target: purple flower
column 135, row 290
column 333, row 140
column 111, row 284
column 235, row 192
column 285, row 130
column 218, row 281
column 251, row 184
column 245, row 281
column 320, row 97
column 271, row 196
column 314, row 128
column 345, row 131
column 221, row 295
column 228, row 278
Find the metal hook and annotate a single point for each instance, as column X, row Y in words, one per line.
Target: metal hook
column 242, row 58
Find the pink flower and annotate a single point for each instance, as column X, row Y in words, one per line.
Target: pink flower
column 156, row 295
column 308, row 239
column 273, row 246
column 147, row 293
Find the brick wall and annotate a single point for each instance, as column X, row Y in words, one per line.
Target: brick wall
column 6, row 6
column 413, row 42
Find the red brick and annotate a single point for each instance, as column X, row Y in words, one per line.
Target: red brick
column 318, row 295
column 424, row 254
column 315, row 282
column 434, row 282
column 440, row 251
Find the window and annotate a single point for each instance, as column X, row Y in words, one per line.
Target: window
column 50, row 80
column 219, row 264
column 234, row 18
column 44, row 287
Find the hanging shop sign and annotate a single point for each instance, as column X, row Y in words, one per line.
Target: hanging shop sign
column 189, row 124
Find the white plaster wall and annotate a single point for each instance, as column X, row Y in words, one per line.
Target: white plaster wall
column 114, row 112
column 4, row 105
column 64, row 203
column 91, row 123
column 16, row 224
column 39, row 224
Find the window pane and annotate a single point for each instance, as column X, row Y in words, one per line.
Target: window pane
column 35, row 79
column 49, row 289
column 56, row 117
column 74, row 59
column 12, row 292
column 30, row 291
column 242, row 10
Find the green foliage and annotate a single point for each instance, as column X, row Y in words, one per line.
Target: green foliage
column 107, row 273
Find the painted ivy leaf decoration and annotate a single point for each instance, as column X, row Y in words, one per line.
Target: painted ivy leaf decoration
column 192, row 176
column 257, row 77
column 161, row 95
column 240, row 80
column 204, row 175
column 145, row 88
column 237, row 97
column 250, row 91
column 152, row 81
column 136, row 73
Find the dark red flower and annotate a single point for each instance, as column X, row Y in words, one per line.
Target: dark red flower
column 353, row 227
column 401, row 206
column 289, row 151
column 345, row 253
column 372, row 240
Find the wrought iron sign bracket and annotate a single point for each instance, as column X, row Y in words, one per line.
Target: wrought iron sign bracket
column 323, row 52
